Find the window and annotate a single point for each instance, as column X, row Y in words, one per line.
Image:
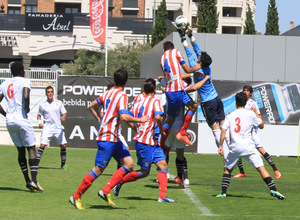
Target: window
column 13, row 11
column 30, row 8
column 14, row 1
column 129, row 14
column 71, row 10
column 130, row 3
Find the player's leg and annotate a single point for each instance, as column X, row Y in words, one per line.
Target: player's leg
column 23, row 163
column 257, row 163
column 229, row 165
column 160, row 161
column 62, row 142
column 167, row 128
column 179, row 163
column 33, row 164
column 122, row 139
column 45, row 140
column 241, row 172
column 270, row 161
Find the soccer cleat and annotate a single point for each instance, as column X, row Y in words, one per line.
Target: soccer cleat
column 239, row 175
column 186, row 182
column 106, row 197
column 184, row 139
column 277, row 194
column 189, row 31
column 179, row 181
column 277, row 174
column 166, row 199
column 168, row 176
column 221, row 196
column 64, row 167
column 38, row 187
column 117, row 189
column 31, row 186
column 76, row 202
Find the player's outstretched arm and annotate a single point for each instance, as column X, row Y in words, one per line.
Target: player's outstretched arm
column 128, row 118
column 94, row 106
column 2, row 112
column 198, row 85
column 222, row 138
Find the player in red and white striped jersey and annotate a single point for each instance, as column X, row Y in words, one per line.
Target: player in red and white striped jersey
column 114, row 102
column 176, row 96
column 138, row 98
column 147, row 150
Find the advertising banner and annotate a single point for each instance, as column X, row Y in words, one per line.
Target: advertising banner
column 51, row 22
column 279, row 103
column 98, row 20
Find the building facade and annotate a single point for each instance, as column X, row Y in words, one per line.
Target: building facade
column 129, row 21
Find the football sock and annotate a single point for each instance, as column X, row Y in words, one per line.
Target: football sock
column 133, row 176
column 85, row 184
column 63, row 156
column 180, row 167
column 162, row 183
column 119, row 164
column 40, row 153
column 225, row 182
column 186, row 123
column 270, row 182
column 33, row 164
column 185, row 169
column 270, row 161
column 24, row 168
column 115, row 179
column 240, row 166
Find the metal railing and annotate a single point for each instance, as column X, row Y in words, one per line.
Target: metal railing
column 38, row 77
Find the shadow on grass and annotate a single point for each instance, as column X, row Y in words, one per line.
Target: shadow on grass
column 50, row 168
column 242, row 197
column 15, row 189
column 139, row 198
column 107, row 207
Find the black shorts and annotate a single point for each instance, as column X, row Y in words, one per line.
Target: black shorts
column 213, row 110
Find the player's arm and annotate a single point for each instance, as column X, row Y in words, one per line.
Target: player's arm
column 189, row 69
column 26, row 95
column 261, row 125
column 39, row 119
column 198, row 85
column 2, row 112
column 159, row 121
column 188, row 75
column 63, row 117
column 124, row 116
column 222, row 138
column 94, row 106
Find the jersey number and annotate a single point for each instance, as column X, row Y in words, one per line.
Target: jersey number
column 141, row 111
column 10, row 91
column 107, row 103
column 237, row 128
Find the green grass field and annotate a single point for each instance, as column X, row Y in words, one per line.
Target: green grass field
column 247, row 197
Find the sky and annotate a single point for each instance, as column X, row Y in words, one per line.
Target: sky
column 288, row 10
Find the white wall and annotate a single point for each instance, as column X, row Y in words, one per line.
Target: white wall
column 278, row 140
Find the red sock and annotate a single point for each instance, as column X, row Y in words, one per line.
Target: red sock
column 114, row 180
column 162, row 183
column 133, row 176
column 186, row 123
column 84, row 186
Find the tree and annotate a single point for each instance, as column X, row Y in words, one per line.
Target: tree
column 249, row 27
column 93, row 62
column 160, row 28
column 272, row 26
column 207, row 16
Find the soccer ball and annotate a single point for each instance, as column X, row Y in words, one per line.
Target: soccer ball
column 181, row 21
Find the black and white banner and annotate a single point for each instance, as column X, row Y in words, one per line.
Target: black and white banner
column 51, row 22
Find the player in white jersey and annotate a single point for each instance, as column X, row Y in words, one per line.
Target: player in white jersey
column 240, row 124
column 53, row 113
column 16, row 92
column 252, row 105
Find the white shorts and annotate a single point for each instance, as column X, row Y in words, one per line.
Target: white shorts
column 256, row 139
column 254, row 159
column 172, row 140
column 21, row 133
column 58, row 135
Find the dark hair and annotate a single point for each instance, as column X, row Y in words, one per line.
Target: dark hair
column 168, row 45
column 205, row 59
column 188, row 81
column 49, row 87
column 16, row 68
column 241, row 99
column 248, row 87
column 110, row 85
column 149, row 86
column 120, row 77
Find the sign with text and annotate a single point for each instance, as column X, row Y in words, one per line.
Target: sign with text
column 50, row 22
